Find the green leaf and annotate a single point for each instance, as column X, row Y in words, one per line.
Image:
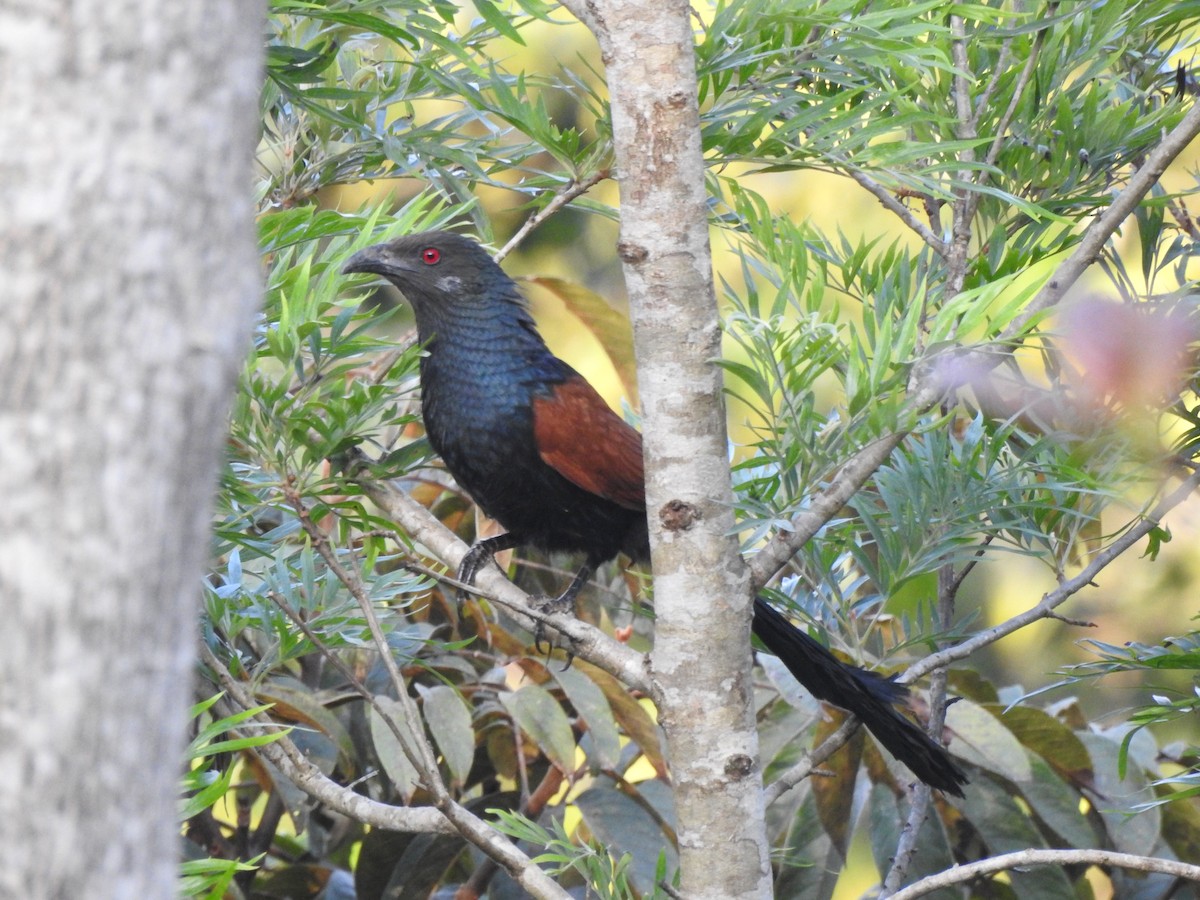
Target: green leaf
column 1046, row 735
column 1004, row 827
column 388, row 748
column 624, row 826
column 593, row 708
column 981, row 739
column 1115, row 796
column 538, row 714
column 1056, row 803
column 498, row 20
column 449, row 721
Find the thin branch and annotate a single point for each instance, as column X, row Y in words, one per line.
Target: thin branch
column 1109, row 221
column 561, row 198
column 419, row 752
column 284, row 755
column 970, row 871
column 969, row 566
column 812, row 759
column 1060, row 594
column 984, row 100
column 906, row 847
column 587, row 642
column 962, row 209
column 522, row 869
column 1183, row 218
column 922, row 796
column 925, row 388
column 1015, row 101
column 962, row 83
column 886, row 198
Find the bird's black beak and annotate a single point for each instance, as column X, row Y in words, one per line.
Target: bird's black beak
column 369, row 259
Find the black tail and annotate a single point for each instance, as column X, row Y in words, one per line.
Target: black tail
column 868, row 695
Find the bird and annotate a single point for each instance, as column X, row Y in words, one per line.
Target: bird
column 541, row 453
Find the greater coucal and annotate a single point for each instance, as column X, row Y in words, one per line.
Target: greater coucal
column 541, row 453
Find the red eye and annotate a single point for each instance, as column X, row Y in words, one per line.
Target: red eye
column 430, row 256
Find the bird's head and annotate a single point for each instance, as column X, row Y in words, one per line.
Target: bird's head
column 433, row 269
column 455, row 287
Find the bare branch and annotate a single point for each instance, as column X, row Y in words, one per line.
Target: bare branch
column 1109, row 221
column 1060, row 594
column 562, row 197
column 812, row 759
column 885, row 197
column 284, row 755
column 964, row 873
column 587, row 642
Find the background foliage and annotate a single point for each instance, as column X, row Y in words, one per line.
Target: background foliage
column 992, row 132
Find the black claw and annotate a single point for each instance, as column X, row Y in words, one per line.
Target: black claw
column 476, row 558
column 480, row 554
column 550, row 605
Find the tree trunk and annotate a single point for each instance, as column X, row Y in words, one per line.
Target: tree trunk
column 701, row 660
column 130, row 279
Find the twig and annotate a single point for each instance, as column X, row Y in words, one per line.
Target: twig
column 970, row 564
column 906, row 847
column 984, row 100
column 522, row 869
column 1183, row 218
column 886, row 198
column 812, row 759
column 962, row 209
column 964, row 873
column 1060, row 594
column 561, row 198
column 284, row 755
column 418, row 751
column 587, row 642
column 1005, row 120
column 922, row 796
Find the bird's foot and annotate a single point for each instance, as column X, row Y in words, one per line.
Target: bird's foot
column 480, row 554
column 475, row 559
column 550, row 606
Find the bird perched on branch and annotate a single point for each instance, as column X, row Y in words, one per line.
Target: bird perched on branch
column 541, row 453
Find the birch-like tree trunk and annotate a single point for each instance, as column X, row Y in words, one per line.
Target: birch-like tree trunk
column 129, row 277
column 701, row 659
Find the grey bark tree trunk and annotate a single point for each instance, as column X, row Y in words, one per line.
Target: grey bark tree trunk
column 129, row 278
column 701, row 661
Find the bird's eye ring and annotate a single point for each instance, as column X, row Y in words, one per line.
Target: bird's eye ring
column 431, row 256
